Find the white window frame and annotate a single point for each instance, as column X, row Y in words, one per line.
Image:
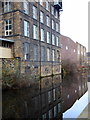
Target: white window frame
column 52, row 10
column 42, row 35
column 53, row 24
column 26, row 51
column 57, row 41
column 41, row 17
column 42, row 53
column 56, row 14
column 35, row 32
column 53, row 55
column 7, row 6
column 34, row 12
column 26, row 7
column 26, row 28
column 8, row 23
column 57, row 27
column 48, row 37
column 48, row 21
column 35, row 53
column 48, row 54
column 47, row 5
column 53, row 39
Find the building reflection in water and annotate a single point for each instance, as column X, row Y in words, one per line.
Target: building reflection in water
column 47, row 98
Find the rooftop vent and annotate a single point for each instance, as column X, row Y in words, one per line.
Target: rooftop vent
column 58, row 4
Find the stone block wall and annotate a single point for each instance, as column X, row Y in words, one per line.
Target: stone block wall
column 16, row 72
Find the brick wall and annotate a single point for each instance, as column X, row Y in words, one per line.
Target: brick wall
column 69, row 49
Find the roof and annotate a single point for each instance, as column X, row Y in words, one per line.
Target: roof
column 8, row 40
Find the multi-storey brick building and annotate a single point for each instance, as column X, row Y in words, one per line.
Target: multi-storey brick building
column 81, row 55
column 31, row 32
column 69, row 49
column 72, row 53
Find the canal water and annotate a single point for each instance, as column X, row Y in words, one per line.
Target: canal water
column 49, row 97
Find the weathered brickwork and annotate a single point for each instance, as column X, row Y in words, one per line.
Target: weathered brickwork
column 69, row 49
column 81, row 54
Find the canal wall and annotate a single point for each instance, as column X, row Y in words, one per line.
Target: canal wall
column 24, row 73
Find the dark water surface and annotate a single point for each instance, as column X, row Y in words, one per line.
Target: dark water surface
column 49, row 97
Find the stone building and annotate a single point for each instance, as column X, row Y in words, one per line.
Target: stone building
column 30, row 31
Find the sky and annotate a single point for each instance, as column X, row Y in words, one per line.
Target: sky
column 74, row 20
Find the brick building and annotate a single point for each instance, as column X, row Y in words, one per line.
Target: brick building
column 81, row 55
column 73, row 52
column 69, row 49
column 31, row 32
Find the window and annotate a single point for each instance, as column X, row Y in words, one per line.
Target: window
column 6, row 6
column 57, row 41
column 26, row 51
column 35, row 52
column 48, row 54
column 5, row 44
column 41, row 2
column 8, row 27
column 41, row 17
column 42, row 53
column 35, row 32
column 58, row 55
column 52, row 24
column 55, row 111
column 54, row 94
column 50, row 113
column 48, row 21
column 47, row 5
column 59, row 107
column 56, row 14
column 26, row 7
column 49, row 96
column 78, row 52
column 48, row 37
column 26, row 28
column 53, row 55
column 52, row 10
column 74, row 50
column 57, row 28
column 44, row 116
column 42, row 34
column 66, row 48
column 53, row 39
column 34, row 12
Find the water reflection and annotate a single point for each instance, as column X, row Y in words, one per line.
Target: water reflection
column 48, row 97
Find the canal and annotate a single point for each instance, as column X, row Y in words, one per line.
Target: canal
column 48, row 97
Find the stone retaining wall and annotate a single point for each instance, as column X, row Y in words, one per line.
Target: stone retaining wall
column 24, row 73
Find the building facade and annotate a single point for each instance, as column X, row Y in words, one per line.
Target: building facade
column 72, row 52
column 81, row 55
column 88, row 58
column 31, row 32
column 69, row 49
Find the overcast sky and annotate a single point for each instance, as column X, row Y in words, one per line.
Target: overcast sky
column 74, row 20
